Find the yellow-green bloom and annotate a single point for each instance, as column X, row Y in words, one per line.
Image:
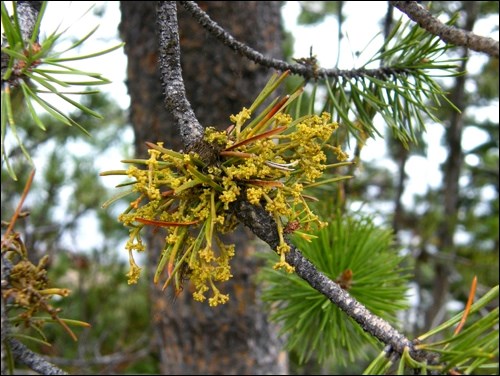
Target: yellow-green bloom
column 267, row 160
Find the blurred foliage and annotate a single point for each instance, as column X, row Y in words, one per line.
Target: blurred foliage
column 313, row 12
column 68, row 169
column 64, row 214
column 486, row 85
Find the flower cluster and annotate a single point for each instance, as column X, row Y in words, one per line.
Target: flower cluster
column 268, row 160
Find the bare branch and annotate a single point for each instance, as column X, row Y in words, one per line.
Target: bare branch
column 36, row 362
column 448, row 34
column 170, row 67
column 304, row 70
column 110, row 360
column 263, row 225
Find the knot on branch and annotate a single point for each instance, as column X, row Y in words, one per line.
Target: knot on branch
column 208, row 152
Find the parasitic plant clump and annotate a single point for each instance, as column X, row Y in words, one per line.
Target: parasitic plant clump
column 267, row 159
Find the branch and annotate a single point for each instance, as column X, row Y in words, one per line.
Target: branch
column 306, row 70
column 264, row 226
column 448, row 34
column 105, row 360
column 256, row 218
column 36, row 362
column 170, row 67
column 27, row 14
column 6, row 268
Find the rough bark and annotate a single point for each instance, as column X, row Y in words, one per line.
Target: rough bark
column 176, row 103
column 265, row 228
column 265, row 60
column 193, row 338
column 27, row 13
column 449, row 34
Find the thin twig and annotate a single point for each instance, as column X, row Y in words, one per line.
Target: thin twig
column 448, row 34
column 13, row 220
column 105, row 360
column 305, row 70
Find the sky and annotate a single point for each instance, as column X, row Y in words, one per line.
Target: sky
column 423, row 171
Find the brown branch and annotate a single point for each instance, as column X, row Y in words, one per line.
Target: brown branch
column 170, row 67
column 448, row 34
column 264, row 226
column 255, row 217
column 27, row 14
column 305, row 70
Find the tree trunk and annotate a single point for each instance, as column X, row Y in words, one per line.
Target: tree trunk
column 193, row 338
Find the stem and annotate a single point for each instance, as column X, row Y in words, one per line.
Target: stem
column 305, row 70
column 262, row 225
column 171, row 74
column 448, row 34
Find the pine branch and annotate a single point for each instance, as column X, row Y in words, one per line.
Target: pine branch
column 256, row 218
column 387, row 90
column 264, row 226
column 448, row 34
column 170, row 67
column 307, row 71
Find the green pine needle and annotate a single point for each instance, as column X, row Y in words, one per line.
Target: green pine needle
column 25, row 78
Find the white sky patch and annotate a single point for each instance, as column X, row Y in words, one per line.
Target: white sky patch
column 323, row 38
column 80, row 21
